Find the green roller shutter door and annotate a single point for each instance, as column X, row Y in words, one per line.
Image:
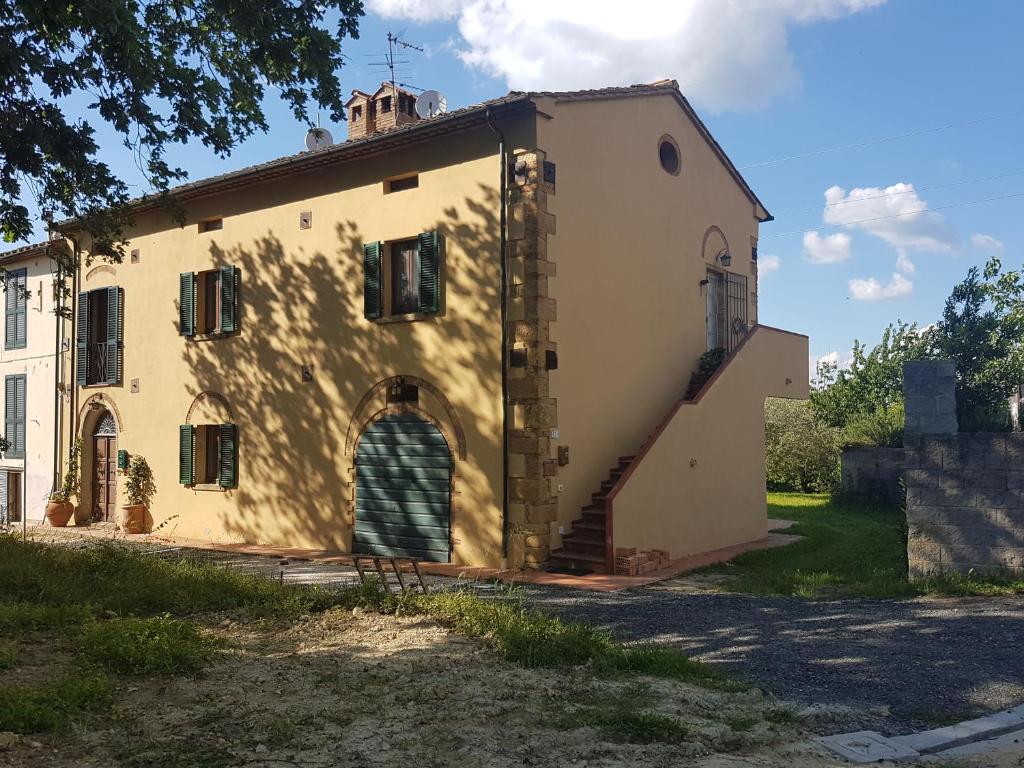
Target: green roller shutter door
column 403, row 490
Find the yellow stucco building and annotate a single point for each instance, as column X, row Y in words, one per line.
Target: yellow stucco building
column 465, row 338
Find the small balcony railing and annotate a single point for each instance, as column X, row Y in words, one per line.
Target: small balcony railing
column 97, row 363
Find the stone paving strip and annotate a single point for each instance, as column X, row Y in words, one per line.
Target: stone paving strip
column 872, row 747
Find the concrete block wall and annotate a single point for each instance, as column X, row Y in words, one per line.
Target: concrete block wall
column 965, row 492
column 873, row 473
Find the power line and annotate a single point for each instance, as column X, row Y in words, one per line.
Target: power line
column 905, row 192
column 897, row 215
column 881, row 139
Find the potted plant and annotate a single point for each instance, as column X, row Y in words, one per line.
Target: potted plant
column 60, row 508
column 139, row 488
column 72, row 485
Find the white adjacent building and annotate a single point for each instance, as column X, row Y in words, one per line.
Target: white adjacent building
column 31, row 360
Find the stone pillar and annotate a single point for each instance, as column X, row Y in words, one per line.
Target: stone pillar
column 532, row 416
column 929, row 392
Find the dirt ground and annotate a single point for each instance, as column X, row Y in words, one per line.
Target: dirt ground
column 362, row 689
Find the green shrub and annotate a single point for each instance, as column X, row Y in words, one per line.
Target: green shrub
column 883, row 427
column 801, row 453
column 153, row 646
column 52, row 707
column 709, row 362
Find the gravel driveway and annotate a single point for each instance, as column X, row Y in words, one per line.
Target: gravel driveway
column 925, row 661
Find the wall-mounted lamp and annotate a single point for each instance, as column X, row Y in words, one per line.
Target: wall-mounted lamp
column 724, row 257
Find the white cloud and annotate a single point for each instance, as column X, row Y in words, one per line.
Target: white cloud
column 569, row 44
column 872, row 290
column 904, row 264
column 768, row 264
column 895, row 214
column 986, row 242
column 830, row 249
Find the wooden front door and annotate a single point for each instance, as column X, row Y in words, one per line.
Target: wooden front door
column 104, row 483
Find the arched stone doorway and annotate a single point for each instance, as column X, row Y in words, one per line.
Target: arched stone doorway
column 403, row 489
column 103, row 471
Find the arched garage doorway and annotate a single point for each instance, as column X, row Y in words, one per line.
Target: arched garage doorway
column 403, row 489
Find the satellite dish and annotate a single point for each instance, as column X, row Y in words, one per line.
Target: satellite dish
column 318, row 138
column 430, row 103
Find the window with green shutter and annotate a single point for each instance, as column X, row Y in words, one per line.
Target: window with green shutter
column 208, row 455
column 208, row 302
column 16, row 309
column 98, row 337
column 406, row 280
column 14, row 415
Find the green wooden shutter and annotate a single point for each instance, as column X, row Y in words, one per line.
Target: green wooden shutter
column 10, row 311
column 430, row 272
column 372, row 274
column 16, row 309
column 20, row 382
column 82, row 340
column 186, row 454
column 228, row 299
column 10, row 415
column 113, row 335
column 227, row 476
column 187, row 304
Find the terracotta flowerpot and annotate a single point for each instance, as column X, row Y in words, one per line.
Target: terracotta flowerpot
column 82, row 515
column 132, row 518
column 58, row 513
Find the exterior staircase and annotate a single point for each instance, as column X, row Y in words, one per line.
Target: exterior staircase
column 584, row 547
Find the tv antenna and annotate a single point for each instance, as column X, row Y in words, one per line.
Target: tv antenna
column 396, row 42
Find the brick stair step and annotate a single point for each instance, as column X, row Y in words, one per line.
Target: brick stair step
column 626, row 459
column 582, row 545
column 583, row 526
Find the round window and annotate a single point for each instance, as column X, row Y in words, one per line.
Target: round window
column 668, row 153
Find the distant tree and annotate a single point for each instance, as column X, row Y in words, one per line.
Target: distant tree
column 982, row 331
column 873, row 381
column 801, row 453
column 159, row 72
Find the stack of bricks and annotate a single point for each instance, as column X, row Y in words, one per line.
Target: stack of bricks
column 533, row 506
column 630, row 562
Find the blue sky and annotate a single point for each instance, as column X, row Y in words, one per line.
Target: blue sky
column 773, row 79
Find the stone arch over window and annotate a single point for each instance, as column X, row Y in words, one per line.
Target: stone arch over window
column 713, row 244
column 102, row 269
column 92, row 408
column 374, row 404
column 209, row 408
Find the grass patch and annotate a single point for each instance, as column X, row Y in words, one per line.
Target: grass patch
column 150, row 646
column 8, row 656
column 535, row 639
column 850, row 549
column 19, row 619
column 113, row 577
column 626, row 718
column 52, row 707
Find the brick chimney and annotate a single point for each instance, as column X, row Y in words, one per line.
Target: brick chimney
column 384, row 110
